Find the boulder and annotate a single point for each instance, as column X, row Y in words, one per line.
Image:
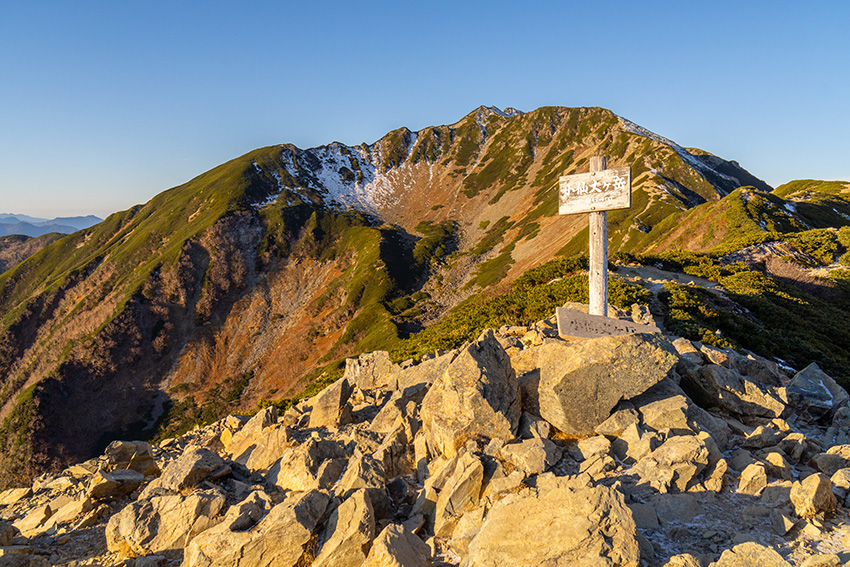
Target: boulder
column 163, row 524
column 189, row 469
column 369, row 371
column 134, row 455
column 460, row 493
column 423, row 374
column 749, row 554
column 729, row 390
column 330, row 406
column 30, row 525
column 271, row 443
column 477, row 397
column 280, row 539
column 243, row 441
column 314, row 464
column 813, row 496
column 14, row 495
column 12, row 559
column 676, row 463
column 753, row 479
column 7, row 533
column 813, row 393
column 105, row 485
column 593, row 526
column 532, row 456
column 396, row 546
column 581, row 382
column 349, row 533
column 366, row 472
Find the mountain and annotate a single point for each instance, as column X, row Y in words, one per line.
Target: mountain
column 252, row 281
column 17, row 248
column 32, row 226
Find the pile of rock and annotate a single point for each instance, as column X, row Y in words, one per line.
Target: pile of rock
column 521, row 448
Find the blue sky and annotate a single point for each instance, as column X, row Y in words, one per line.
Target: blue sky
column 105, row 104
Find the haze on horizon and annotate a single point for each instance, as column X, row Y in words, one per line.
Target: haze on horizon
column 104, row 106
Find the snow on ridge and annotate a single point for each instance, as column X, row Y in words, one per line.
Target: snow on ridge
column 270, row 199
column 508, row 112
column 630, row 126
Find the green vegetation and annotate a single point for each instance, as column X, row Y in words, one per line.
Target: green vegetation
column 15, row 440
column 437, row 241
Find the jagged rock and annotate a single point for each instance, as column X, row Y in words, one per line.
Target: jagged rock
column 593, row 527
column 315, row 464
column 580, row 383
column 29, row 525
column 278, row 540
column 466, row 529
column 185, row 472
column 477, row 396
column 777, row 466
column 244, row 440
column 349, row 533
column 781, row 522
column 619, row 421
column 531, row 426
column 505, row 484
column 459, row 494
column 532, row 456
column 135, row 455
column 688, row 351
column 669, row 412
column 676, row 508
column 14, row 495
column 394, row 453
column 814, row 393
column 369, row 371
column 830, row 463
column 364, row 471
column 749, row 554
column 271, row 443
column 423, row 374
column 677, row 462
column 163, row 524
column 763, row 437
column 69, row 512
column 822, row 560
column 330, row 406
column 590, row 447
column 396, row 546
column 7, row 533
column 714, row 476
column 753, row 479
column 729, row 390
column 114, row 484
column 813, row 496
column 683, row 560
column 23, row 560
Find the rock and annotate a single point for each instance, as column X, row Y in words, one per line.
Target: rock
column 593, row 527
column 163, row 524
column 531, row 426
column 678, row 508
column 688, row 351
column 244, row 440
column 753, row 479
column 314, row 464
column 830, row 463
column 134, row 455
column 683, row 560
column 23, row 560
column 104, row 485
column 330, row 408
column 186, row 471
column 590, row 447
column 369, row 371
column 813, row 496
column 731, row 391
column 14, row 495
column 30, row 524
column 665, row 413
column 477, row 396
column 349, row 533
column 466, row 529
column 677, row 462
column 777, row 466
column 69, row 511
column 7, row 533
column 460, row 493
column 532, row 456
column 423, row 374
column 780, row 521
column 822, row 560
column 278, row 540
column 619, row 421
column 271, row 443
column 644, row 516
column 815, row 394
column 396, row 546
column 366, row 472
column 581, row 382
column 749, row 554
column 763, row 437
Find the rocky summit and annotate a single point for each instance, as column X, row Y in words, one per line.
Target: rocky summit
column 522, row 448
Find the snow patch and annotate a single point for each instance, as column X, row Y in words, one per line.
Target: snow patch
column 791, row 206
column 846, row 216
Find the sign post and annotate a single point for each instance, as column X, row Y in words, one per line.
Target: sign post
column 596, row 192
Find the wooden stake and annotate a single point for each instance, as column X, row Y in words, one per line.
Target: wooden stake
column 598, row 251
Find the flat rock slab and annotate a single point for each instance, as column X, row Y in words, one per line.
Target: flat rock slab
column 581, row 382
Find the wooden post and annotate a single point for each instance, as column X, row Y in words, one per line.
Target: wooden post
column 598, row 251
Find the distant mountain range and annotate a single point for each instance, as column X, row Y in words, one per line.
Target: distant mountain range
column 34, row 226
column 254, row 280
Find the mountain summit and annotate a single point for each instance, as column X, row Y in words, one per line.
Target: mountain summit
column 252, row 280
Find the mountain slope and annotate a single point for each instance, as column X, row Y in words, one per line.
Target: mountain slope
column 255, row 276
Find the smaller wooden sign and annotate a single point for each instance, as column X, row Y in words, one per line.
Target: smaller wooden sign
column 596, row 191
column 573, row 323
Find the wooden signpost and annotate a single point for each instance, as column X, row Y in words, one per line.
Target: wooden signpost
column 596, row 192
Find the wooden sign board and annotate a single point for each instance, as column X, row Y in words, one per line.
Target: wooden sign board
column 573, row 323
column 596, row 191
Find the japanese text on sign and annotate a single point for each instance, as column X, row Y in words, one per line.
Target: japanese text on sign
column 597, row 191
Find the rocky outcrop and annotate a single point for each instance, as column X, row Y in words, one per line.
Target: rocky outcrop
column 448, row 471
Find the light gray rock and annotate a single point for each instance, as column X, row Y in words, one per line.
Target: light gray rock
column 477, row 397
column 366, row 472
column 813, row 496
column 349, row 533
column 581, row 382
column 330, row 406
column 314, row 464
column 396, row 546
column 736, row 393
column 593, row 527
column 618, row 421
column 749, row 554
column 163, row 524
column 271, row 442
column 813, row 393
column 423, row 374
column 676, row 508
column 105, row 485
column 532, row 426
column 675, row 464
column 532, row 456
column 460, row 493
column 135, row 455
column 190, row 468
column 241, row 443
column 753, row 479
column 278, row 540
column 369, row 371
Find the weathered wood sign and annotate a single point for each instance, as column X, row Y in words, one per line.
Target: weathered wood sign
column 604, row 190
column 573, row 323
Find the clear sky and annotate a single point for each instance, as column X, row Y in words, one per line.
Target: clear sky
column 105, row 104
